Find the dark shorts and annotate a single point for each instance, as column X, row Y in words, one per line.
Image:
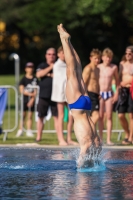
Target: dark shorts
column 43, row 106
column 127, row 105
column 26, row 108
column 94, row 101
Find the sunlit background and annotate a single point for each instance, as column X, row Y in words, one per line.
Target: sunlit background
column 28, row 28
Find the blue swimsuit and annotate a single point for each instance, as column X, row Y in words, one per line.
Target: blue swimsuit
column 83, row 103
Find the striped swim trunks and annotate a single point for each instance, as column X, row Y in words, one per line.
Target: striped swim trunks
column 106, row 95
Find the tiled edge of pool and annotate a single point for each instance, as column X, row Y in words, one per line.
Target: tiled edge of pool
column 34, row 145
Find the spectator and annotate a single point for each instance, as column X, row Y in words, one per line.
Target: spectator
column 45, row 73
column 58, row 94
column 125, row 101
column 107, row 72
column 29, row 98
column 91, row 80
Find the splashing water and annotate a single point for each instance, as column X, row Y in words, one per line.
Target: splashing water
column 91, row 162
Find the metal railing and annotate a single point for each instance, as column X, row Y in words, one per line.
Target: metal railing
column 116, row 126
column 8, row 115
column 49, row 127
column 10, row 120
column 48, row 124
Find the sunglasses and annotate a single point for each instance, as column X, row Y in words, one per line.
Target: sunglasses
column 128, row 54
column 50, row 54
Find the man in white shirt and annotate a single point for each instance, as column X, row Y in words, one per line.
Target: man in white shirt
column 58, row 95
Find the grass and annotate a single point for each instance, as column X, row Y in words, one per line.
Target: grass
column 47, row 138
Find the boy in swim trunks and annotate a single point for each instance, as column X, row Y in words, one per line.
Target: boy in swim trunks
column 125, row 105
column 108, row 71
column 91, row 80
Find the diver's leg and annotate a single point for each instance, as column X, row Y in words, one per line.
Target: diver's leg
column 73, row 91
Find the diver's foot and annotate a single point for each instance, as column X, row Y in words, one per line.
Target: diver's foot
column 63, row 143
column 63, row 33
column 71, row 142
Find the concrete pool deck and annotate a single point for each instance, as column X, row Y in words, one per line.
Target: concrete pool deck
column 35, row 145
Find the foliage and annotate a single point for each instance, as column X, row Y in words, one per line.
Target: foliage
column 92, row 23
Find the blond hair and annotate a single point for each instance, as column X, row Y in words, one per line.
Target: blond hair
column 107, row 52
column 59, row 49
column 95, row 52
column 130, row 47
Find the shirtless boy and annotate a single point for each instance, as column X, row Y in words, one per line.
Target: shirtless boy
column 91, row 80
column 126, row 103
column 108, row 71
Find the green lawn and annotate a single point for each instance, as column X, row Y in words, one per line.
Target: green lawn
column 48, row 138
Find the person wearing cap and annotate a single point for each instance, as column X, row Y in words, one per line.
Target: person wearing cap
column 29, row 94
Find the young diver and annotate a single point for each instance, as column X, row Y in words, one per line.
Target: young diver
column 78, row 100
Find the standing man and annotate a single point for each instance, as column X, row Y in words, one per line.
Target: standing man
column 108, row 71
column 58, row 91
column 45, row 73
column 58, row 95
column 125, row 102
column 91, row 80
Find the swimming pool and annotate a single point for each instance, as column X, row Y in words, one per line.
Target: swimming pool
column 51, row 174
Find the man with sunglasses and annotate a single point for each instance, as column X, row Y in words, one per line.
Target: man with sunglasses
column 125, row 102
column 45, row 74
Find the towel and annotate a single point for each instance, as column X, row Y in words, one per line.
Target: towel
column 59, row 82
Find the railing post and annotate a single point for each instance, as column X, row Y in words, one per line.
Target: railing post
column 17, row 67
column 6, row 131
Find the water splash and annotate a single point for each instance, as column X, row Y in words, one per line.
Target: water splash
column 91, row 162
column 96, row 168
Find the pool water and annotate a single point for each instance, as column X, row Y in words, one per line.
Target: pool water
column 52, row 175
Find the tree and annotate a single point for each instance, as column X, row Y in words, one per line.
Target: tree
column 92, row 23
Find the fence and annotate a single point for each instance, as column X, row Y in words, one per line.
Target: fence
column 116, row 126
column 10, row 120
column 49, row 127
column 11, row 115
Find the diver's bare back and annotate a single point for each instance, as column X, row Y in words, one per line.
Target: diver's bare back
column 106, row 75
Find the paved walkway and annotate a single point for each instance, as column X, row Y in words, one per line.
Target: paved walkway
column 35, row 145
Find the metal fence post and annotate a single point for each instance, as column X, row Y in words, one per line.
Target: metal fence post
column 16, row 111
column 17, row 67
